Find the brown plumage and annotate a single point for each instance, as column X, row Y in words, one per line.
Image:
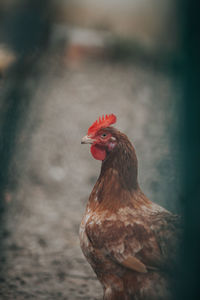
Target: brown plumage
column 130, row 242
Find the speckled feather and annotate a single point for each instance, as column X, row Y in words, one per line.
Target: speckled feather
column 130, row 242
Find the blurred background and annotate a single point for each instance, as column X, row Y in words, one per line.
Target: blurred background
column 62, row 65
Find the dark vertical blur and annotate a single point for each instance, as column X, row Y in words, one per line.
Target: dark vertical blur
column 190, row 262
column 25, row 29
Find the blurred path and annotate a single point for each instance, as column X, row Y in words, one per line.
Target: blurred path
column 56, row 173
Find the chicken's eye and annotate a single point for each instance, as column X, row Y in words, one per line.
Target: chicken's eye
column 103, row 135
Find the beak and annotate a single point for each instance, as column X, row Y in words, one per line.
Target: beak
column 87, row 140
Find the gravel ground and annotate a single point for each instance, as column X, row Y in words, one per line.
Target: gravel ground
column 42, row 258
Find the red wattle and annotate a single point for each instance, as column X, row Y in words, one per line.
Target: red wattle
column 98, row 152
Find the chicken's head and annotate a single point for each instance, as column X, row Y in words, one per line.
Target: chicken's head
column 100, row 135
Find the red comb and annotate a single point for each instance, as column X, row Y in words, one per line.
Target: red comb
column 102, row 123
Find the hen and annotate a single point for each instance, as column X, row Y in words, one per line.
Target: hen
column 130, row 242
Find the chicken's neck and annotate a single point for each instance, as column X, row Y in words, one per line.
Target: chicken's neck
column 123, row 162
column 118, row 177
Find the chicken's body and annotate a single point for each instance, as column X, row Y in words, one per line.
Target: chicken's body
column 130, row 242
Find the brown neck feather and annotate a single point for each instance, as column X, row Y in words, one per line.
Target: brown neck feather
column 117, row 182
column 123, row 161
